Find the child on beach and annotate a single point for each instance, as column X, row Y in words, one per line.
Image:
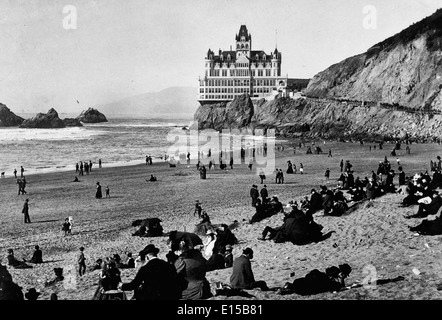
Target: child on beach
column 81, row 262
column 66, row 227
column 107, row 192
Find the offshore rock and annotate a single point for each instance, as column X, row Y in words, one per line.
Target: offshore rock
column 8, row 118
column 49, row 120
column 91, row 115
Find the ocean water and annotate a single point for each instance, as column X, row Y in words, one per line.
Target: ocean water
column 118, row 142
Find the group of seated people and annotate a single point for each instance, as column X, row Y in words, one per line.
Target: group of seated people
column 267, row 208
column 298, row 227
column 129, row 264
column 37, row 257
column 150, row 227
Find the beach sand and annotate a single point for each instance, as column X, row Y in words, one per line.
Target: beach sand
column 377, row 236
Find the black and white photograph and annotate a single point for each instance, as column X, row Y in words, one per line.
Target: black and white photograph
column 221, row 155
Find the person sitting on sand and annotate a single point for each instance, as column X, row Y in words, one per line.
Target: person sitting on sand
column 242, row 275
column 130, row 263
column 152, row 178
column 75, row 179
column 109, row 279
column 191, row 270
column 156, row 280
column 37, row 257
column 12, row 261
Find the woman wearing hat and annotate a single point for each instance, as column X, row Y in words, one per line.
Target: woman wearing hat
column 98, row 194
column 191, row 269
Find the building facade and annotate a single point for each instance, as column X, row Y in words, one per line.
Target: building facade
column 243, row 70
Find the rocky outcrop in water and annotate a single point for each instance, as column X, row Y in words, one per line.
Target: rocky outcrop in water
column 49, row 120
column 8, row 118
column 91, row 116
column 72, row 122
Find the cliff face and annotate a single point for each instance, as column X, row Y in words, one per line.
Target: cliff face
column 91, row 116
column 319, row 118
column 405, row 69
column 235, row 114
column 8, row 118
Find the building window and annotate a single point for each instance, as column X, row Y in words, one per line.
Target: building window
column 228, row 57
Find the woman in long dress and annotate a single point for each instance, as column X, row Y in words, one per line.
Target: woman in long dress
column 98, row 194
column 289, row 167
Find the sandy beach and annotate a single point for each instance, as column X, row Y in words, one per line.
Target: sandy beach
column 375, row 236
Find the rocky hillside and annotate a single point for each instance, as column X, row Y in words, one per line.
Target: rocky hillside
column 405, row 69
column 320, row 118
column 8, row 118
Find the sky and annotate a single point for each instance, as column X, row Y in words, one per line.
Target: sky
column 53, row 56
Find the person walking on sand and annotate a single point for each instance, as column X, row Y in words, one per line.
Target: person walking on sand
column 90, row 165
column 327, row 174
column 77, row 167
column 99, row 163
column 329, row 153
column 15, row 173
column 147, row 160
column 107, row 192
column 98, row 194
column 22, row 170
column 25, row 211
column 81, row 169
column 81, row 262
column 301, row 168
column 342, row 165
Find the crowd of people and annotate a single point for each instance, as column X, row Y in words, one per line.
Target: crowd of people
column 183, row 275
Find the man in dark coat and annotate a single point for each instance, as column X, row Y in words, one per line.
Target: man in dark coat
column 242, row 275
column 25, row 211
column 401, row 177
column 315, row 201
column 254, row 194
column 157, row 278
column 37, row 257
column 264, row 194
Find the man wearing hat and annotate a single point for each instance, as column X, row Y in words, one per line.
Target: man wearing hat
column 254, row 194
column 242, row 275
column 157, row 278
column 264, row 194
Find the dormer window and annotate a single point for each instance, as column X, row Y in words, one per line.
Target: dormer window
column 256, row 57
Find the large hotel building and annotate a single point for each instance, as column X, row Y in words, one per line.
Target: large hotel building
column 232, row 73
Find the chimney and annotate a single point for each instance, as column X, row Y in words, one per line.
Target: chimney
column 230, row 47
